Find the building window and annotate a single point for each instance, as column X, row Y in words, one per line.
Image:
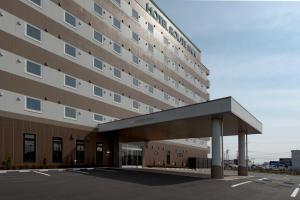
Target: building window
column 150, row 27
column 135, row 82
column 33, row 69
column 98, row 9
column 151, row 109
column 117, row 23
column 98, row 63
column 29, row 147
column 117, row 98
column 150, row 48
column 118, row 2
column 166, row 59
column 135, row 36
column 70, row 81
column 166, row 41
column 98, row 117
column 117, row 73
column 166, row 96
column 37, row 2
column 98, row 36
column 117, row 48
column 150, row 89
column 98, row 91
column 70, row 50
column 166, row 77
column 135, row 59
column 135, row 104
column 70, row 19
column 70, row 113
column 32, row 104
column 150, row 68
column 79, row 151
column 33, row 32
column 57, row 145
column 135, row 15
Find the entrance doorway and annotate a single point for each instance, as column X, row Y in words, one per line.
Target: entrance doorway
column 99, row 153
column 132, row 155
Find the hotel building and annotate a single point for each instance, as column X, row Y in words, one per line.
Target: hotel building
column 67, row 66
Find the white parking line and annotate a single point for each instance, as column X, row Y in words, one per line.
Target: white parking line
column 3, row 172
column 240, row 184
column 23, row 171
column 295, row 192
column 262, row 179
column 37, row 172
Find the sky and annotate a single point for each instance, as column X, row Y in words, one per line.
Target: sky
column 252, row 50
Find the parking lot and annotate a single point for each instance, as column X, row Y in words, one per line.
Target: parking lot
column 143, row 184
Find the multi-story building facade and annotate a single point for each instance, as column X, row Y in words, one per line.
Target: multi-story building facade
column 67, row 66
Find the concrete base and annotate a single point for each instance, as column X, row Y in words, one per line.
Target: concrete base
column 217, row 172
column 242, row 171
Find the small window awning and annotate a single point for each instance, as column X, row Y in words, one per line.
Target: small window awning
column 192, row 121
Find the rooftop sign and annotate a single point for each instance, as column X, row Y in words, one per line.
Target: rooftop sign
column 173, row 31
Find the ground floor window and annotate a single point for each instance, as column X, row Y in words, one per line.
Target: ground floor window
column 99, row 153
column 79, row 151
column 29, row 147
column 57, row 145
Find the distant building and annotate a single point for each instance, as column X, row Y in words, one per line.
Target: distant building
column 296, row 160
column 287, row 162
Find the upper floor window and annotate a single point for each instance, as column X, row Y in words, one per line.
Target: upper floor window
column 98, row 91
column 33, row 68
column 150, row 68
column 150, row 89
column 150, row 27
column 70, row 81
column 98, row 117
column 70, row 19
column 117, row 73
column 98, row 9
column 150, row 48
column 117, row 98
column 118, row 2
column 135, row 59
column 135, row 104
column 117, row 48
column 135, row 82
column 117, row 23
column 37, row 2
column 135, row 14
column 33, row 32
column 135, row 36
column 70, row 50
column 98, row 36
column 33, row 104
column 70, row 113
column 166, row 41
column 166, row 96
column 151, row 109
column 98, row 63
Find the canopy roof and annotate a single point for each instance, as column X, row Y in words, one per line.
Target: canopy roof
column 192, row 121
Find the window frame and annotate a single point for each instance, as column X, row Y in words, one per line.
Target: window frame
column 80, row 142
column 133, row 38
column 68, row 86
column 30, row 37
column 71, row 118
column 132, row 11
column 115, row 99
column 95, row 95
column 40, row 6
column 138, row 104
column 115, row 43
column 98, row 14
column 98, row 115
column 74, row 57
column 32, row 110
column 152, row 29
column 113, row 23
column 138, row 81
column 116, row 69
column 71, row 25
column 134, row 57
column 94, row 58
column 96, row 39
column 32, row 74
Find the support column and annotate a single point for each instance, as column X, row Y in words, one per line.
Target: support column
column 242, row 169
column 217, row 132
column 117, row 150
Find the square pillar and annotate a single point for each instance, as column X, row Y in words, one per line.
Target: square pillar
column 117, row 151
column 217, row 170
column 243, row 167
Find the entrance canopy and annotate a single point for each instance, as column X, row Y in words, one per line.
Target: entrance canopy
column 192, row 121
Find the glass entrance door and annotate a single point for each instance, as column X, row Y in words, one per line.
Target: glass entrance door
column 99, row 153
